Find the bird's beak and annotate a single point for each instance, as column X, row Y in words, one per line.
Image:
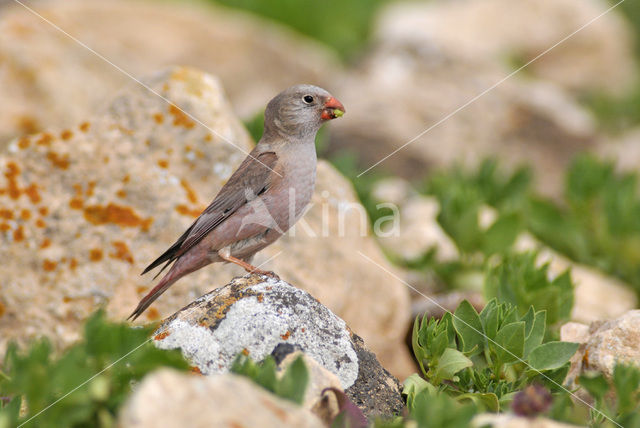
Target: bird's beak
column 332, row 109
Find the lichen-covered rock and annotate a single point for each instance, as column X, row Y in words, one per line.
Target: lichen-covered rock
column 47, row 79
column 170, row 399
column 85, row 209
column 254, row 314
column 613, row 341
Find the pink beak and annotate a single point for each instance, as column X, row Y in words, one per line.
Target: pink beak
column 332, row 109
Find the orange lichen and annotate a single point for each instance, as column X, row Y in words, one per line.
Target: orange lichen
column 169, row 151
column 185, row 210
column 24, row 142
column 162, row 335
column 126, row 179
column 78, row 189
column 208, row 137
column 66, row 134
column 33, row 194
column 141, row 289
column 158, row 118
column 76, row 203
column 4, row 227
column 2, row 309
column 188, row 148
column 28, row 124
column 121, row 252
column 286, row 335
column 43, row 211
column 48, row 265
column 6, row 214
column 67, row 299
column 180, row 118
column 40, row 223
column 90, row 188
column 25, row 214
column 46, row 242
column 153, row 314
column 61, row 162
column 116, row 214
column 121, row 193
column 105, row 159
column 191, row 194
column 45, row 139
column 245, row 352
column 84, row 126
column 73, row 264
column 260, row 298
column 95, row 254
column 11, row 174
column 163, row 163
column 194, row 369
column 18, row 234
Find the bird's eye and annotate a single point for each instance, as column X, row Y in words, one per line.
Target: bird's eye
column 307, row 99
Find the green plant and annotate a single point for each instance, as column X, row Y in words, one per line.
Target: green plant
column 343, row 26
column 517, row 280
column 111, row 356
column 487, row 357
column 290, row 386
column 623, row 405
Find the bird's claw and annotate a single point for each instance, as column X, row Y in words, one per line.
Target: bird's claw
column 268, row 273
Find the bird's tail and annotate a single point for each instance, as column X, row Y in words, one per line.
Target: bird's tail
column 172, row 276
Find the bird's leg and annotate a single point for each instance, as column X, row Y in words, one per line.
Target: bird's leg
column 225, row 255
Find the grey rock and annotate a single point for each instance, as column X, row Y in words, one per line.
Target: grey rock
column 254, row 314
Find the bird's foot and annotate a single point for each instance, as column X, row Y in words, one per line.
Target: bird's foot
column 268, row 273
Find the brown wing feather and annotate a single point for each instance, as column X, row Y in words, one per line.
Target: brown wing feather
column 254, row 176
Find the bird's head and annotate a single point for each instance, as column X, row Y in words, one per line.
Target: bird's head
column 300, row 111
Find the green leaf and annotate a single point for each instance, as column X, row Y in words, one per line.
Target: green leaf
column 484, row 400
column 552, row 355
column 500, row 236
column 418, row 350
column 469, row 327
column 595, row 384
column 509, row 343
column 490, row 318
column 626, row 379
column 536, row 334
column 293, row 384
column 413, row 385
column 451, row 362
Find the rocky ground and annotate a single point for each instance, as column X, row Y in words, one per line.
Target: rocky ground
column 101, row 174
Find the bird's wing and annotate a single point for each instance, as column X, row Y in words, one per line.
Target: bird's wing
column 255, row 175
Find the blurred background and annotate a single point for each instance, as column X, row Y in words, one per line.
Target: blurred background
column 541, row 159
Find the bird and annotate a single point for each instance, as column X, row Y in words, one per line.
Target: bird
column 262, row 199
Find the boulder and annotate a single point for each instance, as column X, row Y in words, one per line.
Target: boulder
column 603, row 344
column 254, row 314
column 88, row 207
column 47, row 79
column 167, row 398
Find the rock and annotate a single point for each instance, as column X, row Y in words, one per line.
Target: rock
column 602, row 344
column 167, row 398
column 509, row 420
column 320, row 378
column 596, row 295
column 477, row 30
column 424, row 86
column 252, row 315
column 417, row 230
column 88, row 207
column 47, row 79
column 614, row 341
